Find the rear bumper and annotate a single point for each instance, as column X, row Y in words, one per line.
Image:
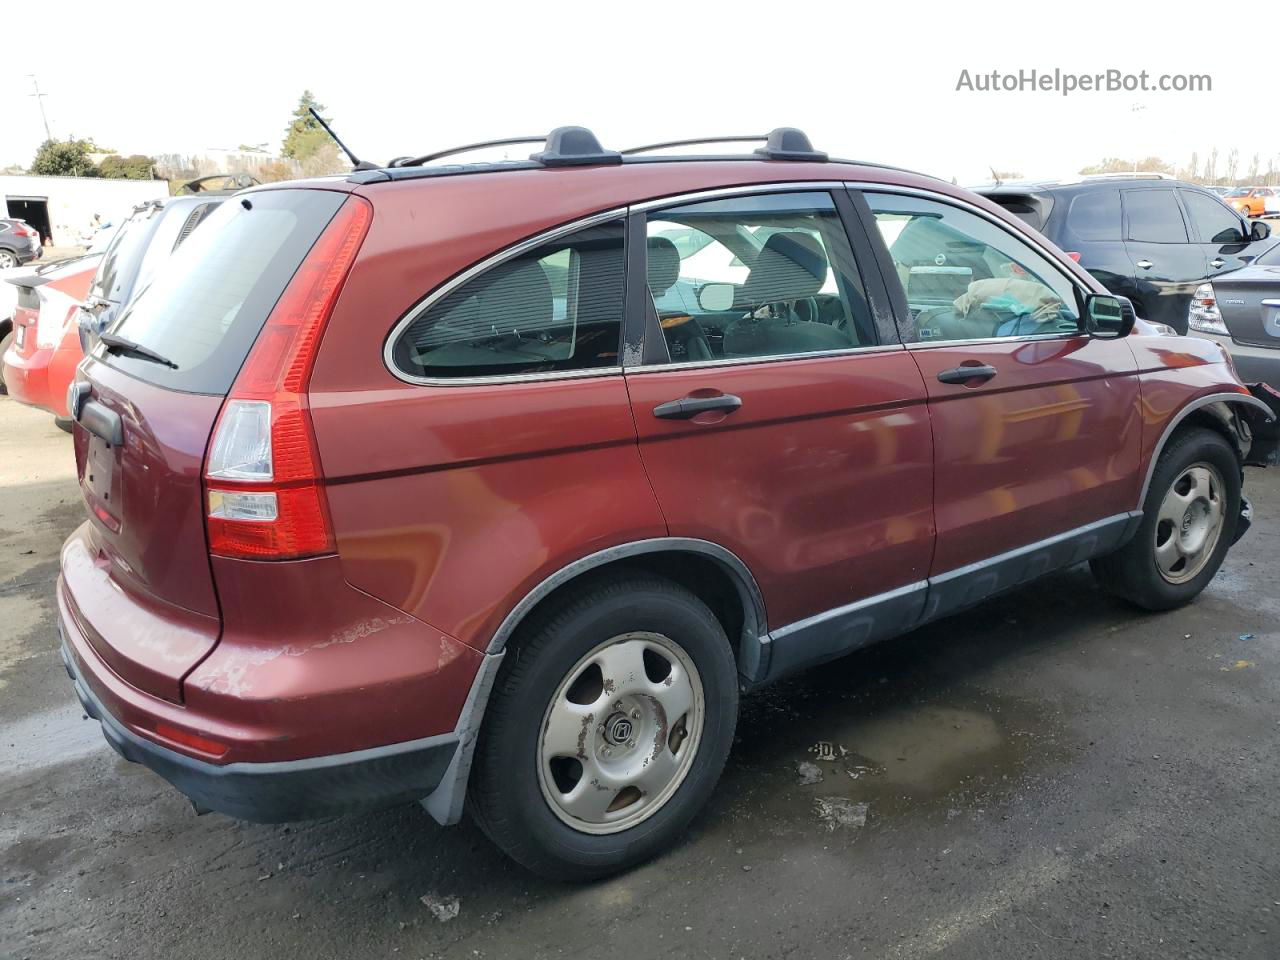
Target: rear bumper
column 1252, row 363
column 27, row 378
column 283, row 790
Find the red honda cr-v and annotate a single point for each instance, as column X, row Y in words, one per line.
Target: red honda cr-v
column 493, row 485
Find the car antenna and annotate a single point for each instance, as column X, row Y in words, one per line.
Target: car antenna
column 994, row 176
column 356, row 162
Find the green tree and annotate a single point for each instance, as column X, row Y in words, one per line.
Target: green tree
column 136, row 167
column 303, row 137
column 64, row 158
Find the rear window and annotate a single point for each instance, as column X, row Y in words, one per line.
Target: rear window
column 206, row 308
column 1095, row 215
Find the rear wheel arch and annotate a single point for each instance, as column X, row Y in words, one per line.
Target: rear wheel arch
column 713, row 574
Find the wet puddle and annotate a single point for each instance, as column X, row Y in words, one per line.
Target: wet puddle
column 825, row 754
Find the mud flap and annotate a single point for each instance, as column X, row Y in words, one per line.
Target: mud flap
column 1265, row 450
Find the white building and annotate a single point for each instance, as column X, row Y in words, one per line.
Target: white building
column 63, row 208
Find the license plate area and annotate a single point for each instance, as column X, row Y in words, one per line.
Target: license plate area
column 102, row 479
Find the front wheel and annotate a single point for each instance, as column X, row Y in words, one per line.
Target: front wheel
column 1189, row 521
column 608, row 728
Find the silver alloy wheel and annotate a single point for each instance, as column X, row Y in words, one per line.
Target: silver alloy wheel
column 7, row 260
column 621, row 733
column 1189, row 523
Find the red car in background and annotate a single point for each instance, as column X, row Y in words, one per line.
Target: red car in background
column 41, row 360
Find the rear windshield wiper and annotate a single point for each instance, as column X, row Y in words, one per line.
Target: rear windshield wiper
column 123, row 345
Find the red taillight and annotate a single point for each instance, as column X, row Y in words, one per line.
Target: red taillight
column 1073, row 255
column 22, row 230
column 272, row 506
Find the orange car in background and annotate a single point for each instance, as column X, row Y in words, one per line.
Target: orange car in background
column 41, row 360
column 1251, row 201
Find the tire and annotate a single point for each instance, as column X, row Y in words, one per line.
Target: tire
column 65, row 424
column 523, row 795
column 4, row 347
column 1170, row 560
column 7, row 260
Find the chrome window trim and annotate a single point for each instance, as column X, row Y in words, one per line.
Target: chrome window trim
column 442, row 291
column 716, row 193
column 772, row 358
column 935, row 344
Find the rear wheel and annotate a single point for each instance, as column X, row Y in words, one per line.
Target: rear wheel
column 608, row 728
column 7, row 259
column 1188, row 524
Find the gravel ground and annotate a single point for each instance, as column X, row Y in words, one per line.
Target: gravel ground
column 1053, row 774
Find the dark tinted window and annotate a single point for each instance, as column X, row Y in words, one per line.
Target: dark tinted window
column 755, row 276
column 555, row 307
column 208, row 305
column 124, row 254
column 1213, row 219
column 1154, row 216
column 1095, row 215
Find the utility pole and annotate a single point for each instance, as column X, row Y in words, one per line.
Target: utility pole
column 35, row 84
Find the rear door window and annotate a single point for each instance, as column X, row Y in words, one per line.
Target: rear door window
column 757, row 276
column 554, row 308
column 1095, row 215
column 206, row 308
column 123, row 254
column 1154, row 216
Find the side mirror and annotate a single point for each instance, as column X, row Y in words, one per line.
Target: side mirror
column 716, row 297
column 1259, row 230
column 1107, row 317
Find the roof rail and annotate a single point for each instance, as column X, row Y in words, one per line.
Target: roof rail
column 1129, row 175
column 781, row 143
column 564, row 146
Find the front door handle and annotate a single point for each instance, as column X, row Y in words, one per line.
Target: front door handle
column 686, row 408
column 1217, row 263
column 981, row 372
column 1144, row 264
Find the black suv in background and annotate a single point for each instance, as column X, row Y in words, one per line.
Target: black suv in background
column 1146, row 237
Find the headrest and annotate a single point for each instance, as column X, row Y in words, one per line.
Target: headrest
column 664, row 265
column 791, row 266
column 515, row 295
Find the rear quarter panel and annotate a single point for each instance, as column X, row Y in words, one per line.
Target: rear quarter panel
column 452, row 502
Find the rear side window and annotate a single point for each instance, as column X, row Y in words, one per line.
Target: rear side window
column 554, row 308
column 1095, row 215
column 1213, row 219
column 206, row 308
column 1154, row 216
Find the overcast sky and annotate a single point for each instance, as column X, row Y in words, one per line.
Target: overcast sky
column 874, row 83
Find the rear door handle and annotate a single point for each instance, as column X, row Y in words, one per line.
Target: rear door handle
column 983, row 372
column 686, row 408
column 1217, row 263
column 1144, row 264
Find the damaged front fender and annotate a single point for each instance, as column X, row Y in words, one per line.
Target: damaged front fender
column 1264, row 451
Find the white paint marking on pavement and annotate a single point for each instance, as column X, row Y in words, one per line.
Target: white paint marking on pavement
column 1024, row 884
